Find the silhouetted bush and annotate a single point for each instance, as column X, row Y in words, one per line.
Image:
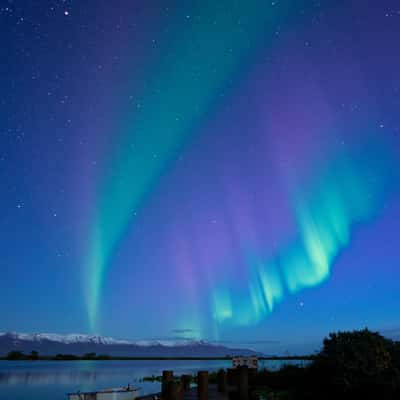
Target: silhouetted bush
column 354, row 364
column 351, row 365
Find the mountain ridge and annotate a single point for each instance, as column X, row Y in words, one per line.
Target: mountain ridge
column 78, row 344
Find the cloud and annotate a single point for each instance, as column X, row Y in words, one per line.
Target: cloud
column 182, row 331
column 171, row 337
column 245, row 343
column 271, row 341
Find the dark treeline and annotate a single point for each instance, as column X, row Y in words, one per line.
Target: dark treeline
column 34, row 355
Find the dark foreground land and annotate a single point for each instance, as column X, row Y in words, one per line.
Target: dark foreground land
column 351, row 365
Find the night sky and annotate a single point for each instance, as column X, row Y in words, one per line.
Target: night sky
column 218, row 170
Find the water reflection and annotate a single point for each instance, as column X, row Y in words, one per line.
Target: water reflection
column 53, row 379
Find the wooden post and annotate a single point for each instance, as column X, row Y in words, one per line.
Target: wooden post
column 185, row 382
column 167, row 376
column 202, row 385
column 173, row 391
column 232, row 376
column 243, row 383
column 221, row 381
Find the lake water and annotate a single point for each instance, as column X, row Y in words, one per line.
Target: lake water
column 51, row 380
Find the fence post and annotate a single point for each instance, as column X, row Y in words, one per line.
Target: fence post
column 185, row 381
column 173, row 391
column 167, row 376
column 202, row 385
column 221, row 381
column 243, row 383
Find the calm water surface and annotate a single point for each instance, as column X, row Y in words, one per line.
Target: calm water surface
column 51, row 380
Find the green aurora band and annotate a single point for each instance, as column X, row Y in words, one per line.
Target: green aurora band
column 199, row 62
column 341, row 195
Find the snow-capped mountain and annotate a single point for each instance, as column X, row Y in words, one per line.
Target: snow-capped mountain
column 67, row 339
column 82, row 338
column 79, row 344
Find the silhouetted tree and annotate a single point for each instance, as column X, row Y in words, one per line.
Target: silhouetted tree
column 34, row 355
column 351, row 365
column 355, row 362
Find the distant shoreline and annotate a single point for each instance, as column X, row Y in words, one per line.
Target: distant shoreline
column 110, row 358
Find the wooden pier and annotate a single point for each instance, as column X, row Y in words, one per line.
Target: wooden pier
column 212, row 394
column 191, row 394
column 174, row 390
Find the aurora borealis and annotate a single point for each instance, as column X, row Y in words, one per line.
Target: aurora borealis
column 204, row 56
column 224, row 171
